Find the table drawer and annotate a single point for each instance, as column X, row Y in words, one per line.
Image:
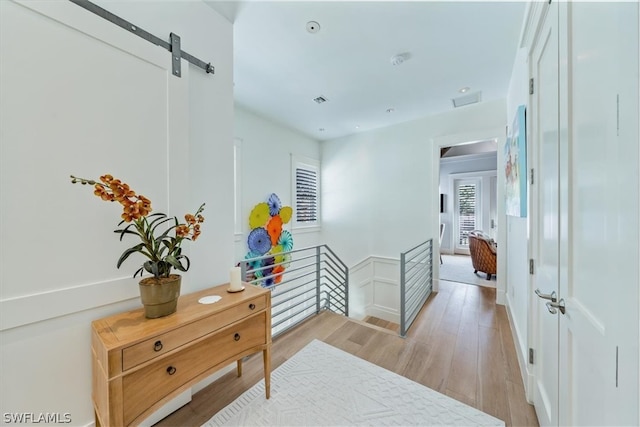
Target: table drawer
column 146, row 350
column 146, row 386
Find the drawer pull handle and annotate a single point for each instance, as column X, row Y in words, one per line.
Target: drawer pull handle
column 171, row 370
column 252, row 306
column 236, row 337
column 157, row 346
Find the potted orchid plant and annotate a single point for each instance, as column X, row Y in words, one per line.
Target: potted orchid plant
column 161, row 239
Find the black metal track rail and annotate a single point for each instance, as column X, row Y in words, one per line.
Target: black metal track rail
column 173, row 46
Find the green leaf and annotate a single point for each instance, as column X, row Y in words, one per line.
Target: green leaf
column 126, row 231
column 175, row 262
column 125, row 255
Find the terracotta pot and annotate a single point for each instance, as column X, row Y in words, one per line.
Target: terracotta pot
column 160, row 296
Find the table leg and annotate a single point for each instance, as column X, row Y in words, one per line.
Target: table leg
column 266, row 355
column 239, row 367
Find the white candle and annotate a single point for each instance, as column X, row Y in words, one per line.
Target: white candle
column 235, row 284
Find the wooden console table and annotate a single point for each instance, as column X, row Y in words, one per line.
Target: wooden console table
column 139, row 364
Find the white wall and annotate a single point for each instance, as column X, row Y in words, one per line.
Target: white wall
column 449, row 167
column 266, row 149
column 377, row 186
column 379, row 194
column 46, row 364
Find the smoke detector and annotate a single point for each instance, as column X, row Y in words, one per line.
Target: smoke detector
column 313, row 27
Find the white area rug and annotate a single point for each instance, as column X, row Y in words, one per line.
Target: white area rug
column 458, row 268
column 324, row 386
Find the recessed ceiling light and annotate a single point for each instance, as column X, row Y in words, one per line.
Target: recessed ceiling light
column 464, row 89
column 357, row 127
column 390, row 110
column 400, row 58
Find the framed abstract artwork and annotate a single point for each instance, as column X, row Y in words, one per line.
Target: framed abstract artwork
column 515, row 166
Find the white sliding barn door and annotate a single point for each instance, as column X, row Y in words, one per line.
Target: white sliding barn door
column 81, row 96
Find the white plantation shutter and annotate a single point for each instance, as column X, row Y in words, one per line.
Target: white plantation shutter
column 306, row 195
column 306, row 177
column 466, row 212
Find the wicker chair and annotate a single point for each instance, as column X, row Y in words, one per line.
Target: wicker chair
column 483, row 253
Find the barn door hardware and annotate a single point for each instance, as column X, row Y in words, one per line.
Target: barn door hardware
column 173, row 46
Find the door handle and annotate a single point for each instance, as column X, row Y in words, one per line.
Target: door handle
column 553, row 307
column 553, row 297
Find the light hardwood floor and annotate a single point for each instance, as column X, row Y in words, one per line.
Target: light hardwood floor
column 460, row 345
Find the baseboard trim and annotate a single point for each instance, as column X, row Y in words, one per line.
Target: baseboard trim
column 523, row 363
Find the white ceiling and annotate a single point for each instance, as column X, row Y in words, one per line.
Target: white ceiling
column 279, row 67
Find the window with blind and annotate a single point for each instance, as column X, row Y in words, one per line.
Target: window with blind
column 306, row 193
column 467, row 212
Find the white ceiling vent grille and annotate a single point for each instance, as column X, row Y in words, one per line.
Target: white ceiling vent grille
column 471, row 98
column 320, row 99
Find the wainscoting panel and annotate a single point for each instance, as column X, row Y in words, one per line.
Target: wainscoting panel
column 375, row 289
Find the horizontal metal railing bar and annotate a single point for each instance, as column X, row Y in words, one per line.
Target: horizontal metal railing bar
column 290, row 270
column 418, row 254
column 333, row 267
column 328, row 281
column 339, row 305
column 423, row 249
column 416, row 282
column 314, row 278
column 281, row 321
column 414, row 248
column 415, row 312
column 414, row 272
column 277, row 318
column 276, row 313
column 295, row 251
column 337, row 258
column 282, row 290
column 419, row 260
column 329, row 273
column 416, row 285
column 410, row 295
column 415, row 301
column 415, row 265
column 335, row 294
column 417, row 275
column 281, row 301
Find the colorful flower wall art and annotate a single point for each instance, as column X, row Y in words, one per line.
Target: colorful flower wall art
column 267, row 237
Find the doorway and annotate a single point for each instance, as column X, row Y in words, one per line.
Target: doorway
column 467, row 179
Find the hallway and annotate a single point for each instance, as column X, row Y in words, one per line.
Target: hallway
column 460, row 345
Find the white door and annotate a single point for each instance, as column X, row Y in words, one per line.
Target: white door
column 598, row 379
column 545, row 213
column 467, row 214
column 585, row 137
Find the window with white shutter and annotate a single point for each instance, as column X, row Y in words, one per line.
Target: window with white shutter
column 306, row 192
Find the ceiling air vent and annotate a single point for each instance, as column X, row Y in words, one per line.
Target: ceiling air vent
column 471, row 98
column 320, row 100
